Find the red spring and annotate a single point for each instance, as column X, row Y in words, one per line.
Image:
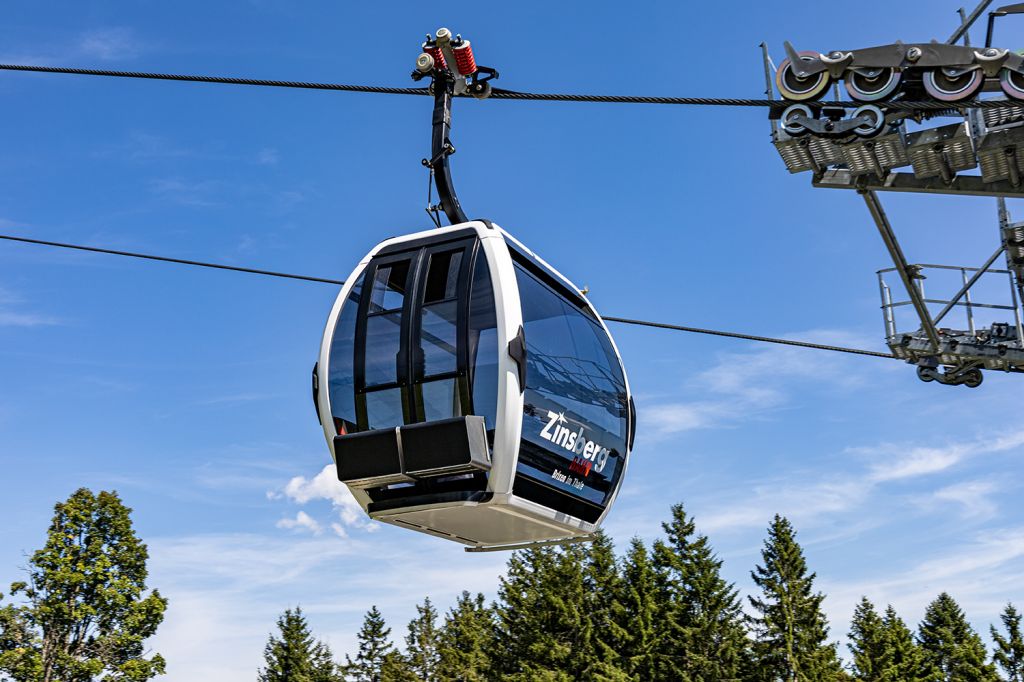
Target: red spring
column 435, row 52
column 464, row 58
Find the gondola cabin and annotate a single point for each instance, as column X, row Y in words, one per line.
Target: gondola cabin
column 469, row 391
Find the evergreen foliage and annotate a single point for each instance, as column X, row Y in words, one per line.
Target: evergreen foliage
column 868, row 645
column 951, row 650
column 295, row 656
column 607, row 629
column 375, row 650
column 790, row 628
column 903, row 659
column 465, row 640
column 702, row 618
column 541, row 620
column 643, row 658
column 1010, row 647
column 84, row 614
column 421, row 644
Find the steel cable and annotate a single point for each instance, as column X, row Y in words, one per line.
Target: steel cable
column 324, row 280
column 500, row 93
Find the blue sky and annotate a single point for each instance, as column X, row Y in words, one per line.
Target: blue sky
column 188, row 390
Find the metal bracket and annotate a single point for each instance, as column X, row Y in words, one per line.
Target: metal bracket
column 900, row 262
column 447, row 84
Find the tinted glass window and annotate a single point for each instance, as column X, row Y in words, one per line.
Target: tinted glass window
column 442, row 276
column 341, row 382
column 383, row 341
column 384, row 408
column 483, row 343
column 389, row 285
column 574, row 426
column 438, row 332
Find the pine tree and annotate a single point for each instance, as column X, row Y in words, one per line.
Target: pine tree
column 295, row 656
column 375, row 649
column 868, row 644
column 704, row 634
column 643, row 656
column 1010, row 648
column 607, row 629
column 790, row 628
column 85, row 613
column 904, row 660
column 465, row 641
column 952, row 651
column 421, row 644
column 541, row 622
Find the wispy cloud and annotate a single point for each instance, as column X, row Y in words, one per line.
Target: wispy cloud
column 974, row 498
column 892, row 462
column 980, row 572
column 11, row 316
column 109, row 44
column 746, row 385
column 814, row 501
column 301, row 522
column 326, row 486
column 186, row 193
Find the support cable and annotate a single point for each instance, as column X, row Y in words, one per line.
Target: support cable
column 324, row 280
column 166, row 259
column 498, row 93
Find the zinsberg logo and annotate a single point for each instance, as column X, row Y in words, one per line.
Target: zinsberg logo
column 574, row 441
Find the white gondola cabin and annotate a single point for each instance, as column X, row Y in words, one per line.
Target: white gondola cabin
column 471, row 392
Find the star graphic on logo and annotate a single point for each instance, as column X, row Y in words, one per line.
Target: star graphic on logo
column 561, row 418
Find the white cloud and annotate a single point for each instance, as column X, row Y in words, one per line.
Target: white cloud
column 811, row 504
column 267, row 157
column 326, row 486
column 16, row 319
column 302, row 521
column 108, row 44
column 973, row 497
column 896, row 462
column 981, row 574
column 747, row 385
column 11, row 317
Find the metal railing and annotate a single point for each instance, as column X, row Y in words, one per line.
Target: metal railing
column 962, row 300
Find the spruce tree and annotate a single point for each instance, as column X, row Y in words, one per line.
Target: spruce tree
column 375, row 649
column 904, row 661
column 465, row 641
column 541, row 621
column 868, row 644
column 643, row 656
column 421, row 644
column 295, row 656
column 1010, row 647
column 704, row 634
column 952, row 651
column 607, row 630
column 789, row 626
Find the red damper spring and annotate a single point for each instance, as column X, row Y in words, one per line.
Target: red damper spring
column 435, row 52
column 464, row 58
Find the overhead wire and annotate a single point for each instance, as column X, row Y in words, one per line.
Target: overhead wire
column 496, row 93
column 324, row 280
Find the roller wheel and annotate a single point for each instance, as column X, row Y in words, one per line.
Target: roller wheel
column 872, row 85
column 789, row 118
column 480, row 90
column 877, row 120
column 1012, row 83
column 973, row 378
column 926, row 375
column 943, row 85
column 797, row 89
